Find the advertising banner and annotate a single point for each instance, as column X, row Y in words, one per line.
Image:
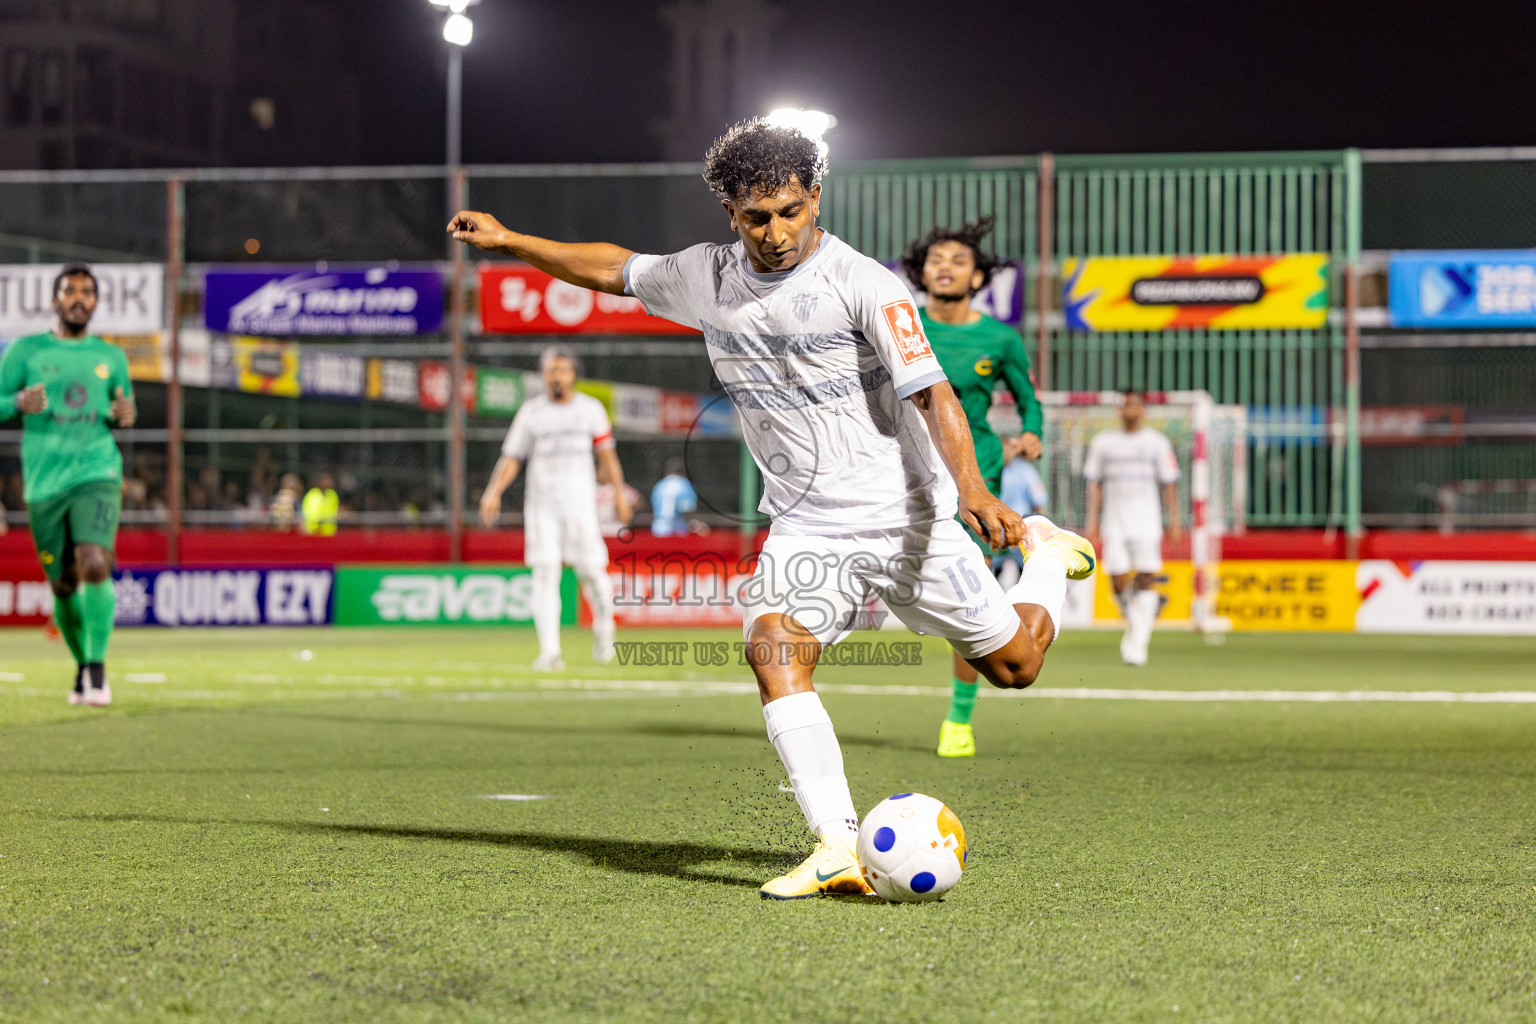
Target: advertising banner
column 682, row 594
column 130, row 298
column 434, row 383
column 1255, row 595
column 332, row 374
column 498, row 392
column 225, row 596
column 443, row 595
column 304, row 300
column 1462, row 288
column 1154, row 293
column 26, row 599
column 393, row 380
column 518, row 299
column 1497, row 598
column 266, row 367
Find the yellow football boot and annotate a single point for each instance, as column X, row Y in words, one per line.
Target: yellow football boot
column 1040, row 534
column 831, row 869
column 956, row 740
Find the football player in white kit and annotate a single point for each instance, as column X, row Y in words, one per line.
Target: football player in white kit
column 1125, row 469
column 555, row 435
column 865, row 454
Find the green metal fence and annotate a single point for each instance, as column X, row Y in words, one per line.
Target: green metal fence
column 1295, row 382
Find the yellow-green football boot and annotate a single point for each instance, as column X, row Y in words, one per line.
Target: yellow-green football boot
column 832, row 869
column 1040, row 534
column 956, row 740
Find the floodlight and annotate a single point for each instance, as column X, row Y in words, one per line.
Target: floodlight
column 458, row 29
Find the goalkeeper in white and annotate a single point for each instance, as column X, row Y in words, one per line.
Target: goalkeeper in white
column 1125, row 469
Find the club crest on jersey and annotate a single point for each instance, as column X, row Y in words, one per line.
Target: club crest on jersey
column 102, row 371
column 983, row 367
column 908, row 330
column 803, row 305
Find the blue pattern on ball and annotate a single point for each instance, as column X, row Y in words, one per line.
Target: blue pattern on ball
column 899, row 796
column 885, row 838
column 923, row 881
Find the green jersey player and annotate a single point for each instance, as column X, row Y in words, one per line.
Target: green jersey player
column 71, row 388
column 977, row 354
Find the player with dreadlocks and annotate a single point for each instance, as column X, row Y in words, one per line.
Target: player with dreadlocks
column 864, row 450
column 977, row 354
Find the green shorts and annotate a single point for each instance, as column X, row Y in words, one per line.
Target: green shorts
column 85, row 514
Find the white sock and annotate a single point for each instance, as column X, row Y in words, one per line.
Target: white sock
column 801, row 731
column 599, row 589
column 546, row 609
column 1043, row 582
column 1144, row 608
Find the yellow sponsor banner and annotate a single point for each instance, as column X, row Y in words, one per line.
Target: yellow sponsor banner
column 1154, row 293
column 266, row 367
column 147, row 359
column 1256, row 595
column 600, row 390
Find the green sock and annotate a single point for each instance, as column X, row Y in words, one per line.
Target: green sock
column 66, row 612
column 961, row 702
column 98, row 606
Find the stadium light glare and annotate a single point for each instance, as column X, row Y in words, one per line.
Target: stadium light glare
column 458, row 29
column 812, row 124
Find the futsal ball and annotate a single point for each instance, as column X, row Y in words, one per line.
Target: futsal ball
column 911, row 848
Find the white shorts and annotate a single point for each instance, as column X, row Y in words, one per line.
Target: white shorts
column 1121, row 554
column 556, row 537
column 931, row 576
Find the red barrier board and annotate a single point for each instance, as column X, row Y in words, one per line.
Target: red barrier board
column 25, row 597
column 519, row 299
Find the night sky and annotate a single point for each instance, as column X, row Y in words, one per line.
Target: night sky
column 583, row 80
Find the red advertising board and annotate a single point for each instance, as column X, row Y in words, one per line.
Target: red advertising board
column 25, row 597
column 518, row 299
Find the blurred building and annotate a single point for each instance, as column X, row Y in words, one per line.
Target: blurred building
column 165, row 83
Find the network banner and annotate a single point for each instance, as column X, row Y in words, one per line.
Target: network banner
column 130, row 298
column 519, row 299
column 1155, row 293
column 223, row 596
column 443, row 595
column 295, row 300
column 1462, row 288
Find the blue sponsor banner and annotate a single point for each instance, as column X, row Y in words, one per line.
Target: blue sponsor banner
column 224, row 596
column 292, row 300
column 1462, row 288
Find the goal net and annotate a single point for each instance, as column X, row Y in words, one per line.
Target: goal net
column 1210, row 441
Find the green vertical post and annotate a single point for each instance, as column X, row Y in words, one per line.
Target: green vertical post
column 1352, row 352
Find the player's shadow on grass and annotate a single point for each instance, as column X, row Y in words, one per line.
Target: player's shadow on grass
column 678, row 860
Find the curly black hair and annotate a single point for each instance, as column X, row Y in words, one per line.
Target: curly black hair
column 970, row 236
column 754, row 155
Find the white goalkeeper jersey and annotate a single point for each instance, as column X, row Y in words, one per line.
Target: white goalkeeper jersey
column 818, row 361
column 555, row 440
column 1131, row 467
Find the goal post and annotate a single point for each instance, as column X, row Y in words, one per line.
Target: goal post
column 1209, row 440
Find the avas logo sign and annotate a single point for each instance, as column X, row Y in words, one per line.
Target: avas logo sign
column 517, row 299
column 443, row 596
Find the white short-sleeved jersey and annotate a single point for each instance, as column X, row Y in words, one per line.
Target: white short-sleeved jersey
column 1131, row 467
column 818, row 361
column 555, row 440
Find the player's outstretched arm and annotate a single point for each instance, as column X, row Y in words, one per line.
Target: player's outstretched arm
column 951, row 433
column 595, row 265
column 610, row 471
column 501, row 478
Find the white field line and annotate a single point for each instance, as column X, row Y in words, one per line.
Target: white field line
column 517, row 797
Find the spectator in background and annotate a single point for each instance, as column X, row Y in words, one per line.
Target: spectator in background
column 284, row 512
column 322, row 505
column 672, row 499
column 1022, row 490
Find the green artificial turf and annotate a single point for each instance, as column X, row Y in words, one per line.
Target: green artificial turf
column 251, row 833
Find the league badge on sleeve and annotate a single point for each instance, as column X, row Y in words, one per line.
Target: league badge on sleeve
column 908, row 331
